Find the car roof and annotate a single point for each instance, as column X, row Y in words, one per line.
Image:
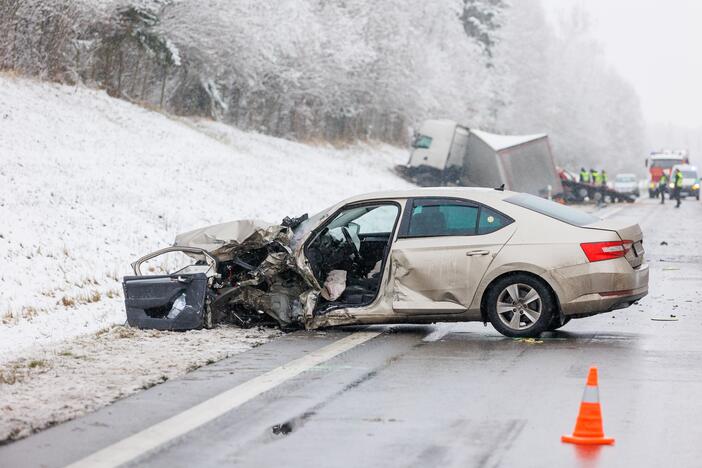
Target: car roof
column 479, row 194
column 667, row 156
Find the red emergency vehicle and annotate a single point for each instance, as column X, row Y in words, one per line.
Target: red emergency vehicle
column 660, row 162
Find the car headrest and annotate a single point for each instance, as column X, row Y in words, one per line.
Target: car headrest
column 429, row 221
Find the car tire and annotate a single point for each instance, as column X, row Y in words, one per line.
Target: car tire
column 534, row 315
column 556, row 322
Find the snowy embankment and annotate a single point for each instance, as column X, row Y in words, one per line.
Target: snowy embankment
column 87, row 185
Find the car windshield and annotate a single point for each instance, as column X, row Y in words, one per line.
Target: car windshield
column 301, row 230
column 689, row 174
column 665, row 163
column 422, row 141
column 626, row 178
column 554, row 210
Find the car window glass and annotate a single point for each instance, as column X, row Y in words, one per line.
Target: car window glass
column 626, row 178
column 443, row 220
column 491, row 221
column 380, row 219
column 422, row 141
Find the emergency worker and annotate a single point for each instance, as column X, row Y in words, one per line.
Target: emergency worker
column 677, row 186
column 662, row 184
column 584, row 176
column 603, row 177
column 595, row 176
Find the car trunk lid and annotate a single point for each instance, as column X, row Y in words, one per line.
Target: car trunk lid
column 628, row 230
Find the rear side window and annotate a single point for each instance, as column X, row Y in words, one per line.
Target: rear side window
column 491, row 221
column 554, row 210
column 443, row 220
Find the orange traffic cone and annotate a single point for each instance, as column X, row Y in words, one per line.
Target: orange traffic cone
column 588, row 426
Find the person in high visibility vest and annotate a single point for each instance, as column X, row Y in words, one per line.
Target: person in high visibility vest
column 603, row 177
column 584, row 176
column 677, row 186
column 595, row 176
column 662, row 184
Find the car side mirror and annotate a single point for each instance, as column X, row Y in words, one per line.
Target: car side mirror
column 646, row 163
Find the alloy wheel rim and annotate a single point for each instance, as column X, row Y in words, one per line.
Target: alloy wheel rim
column 519, row 306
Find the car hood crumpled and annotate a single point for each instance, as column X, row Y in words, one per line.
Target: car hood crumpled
column 224, row 240
column 285, row 301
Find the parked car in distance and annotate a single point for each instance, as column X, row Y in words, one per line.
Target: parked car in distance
column 446, row 254
column 691, row 180
column 626, row 183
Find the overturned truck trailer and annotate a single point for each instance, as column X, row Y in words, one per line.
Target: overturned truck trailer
column 447, row 153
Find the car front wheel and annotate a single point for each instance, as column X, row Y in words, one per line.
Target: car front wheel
column 519, row 305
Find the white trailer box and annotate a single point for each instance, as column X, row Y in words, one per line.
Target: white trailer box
column 524, row 163
column 446, row 152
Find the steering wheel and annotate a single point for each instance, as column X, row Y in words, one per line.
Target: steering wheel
column 349, row 240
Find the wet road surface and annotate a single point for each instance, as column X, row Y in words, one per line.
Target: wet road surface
column 447, row 394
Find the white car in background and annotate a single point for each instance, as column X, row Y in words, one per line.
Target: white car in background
column 627, row 183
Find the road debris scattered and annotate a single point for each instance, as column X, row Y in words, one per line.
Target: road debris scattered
column 529, row 340
column 672, row 318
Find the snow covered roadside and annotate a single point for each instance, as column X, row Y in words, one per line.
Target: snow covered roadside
column 89, row 183
column 94, row 370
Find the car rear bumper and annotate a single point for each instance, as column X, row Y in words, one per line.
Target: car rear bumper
column 599, row 287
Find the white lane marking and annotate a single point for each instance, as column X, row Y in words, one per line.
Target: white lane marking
column 152, row 437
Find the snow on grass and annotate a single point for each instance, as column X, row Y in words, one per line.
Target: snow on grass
column 89, row 183
column 92, row 371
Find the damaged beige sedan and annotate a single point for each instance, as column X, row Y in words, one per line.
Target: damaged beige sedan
column 520, row 262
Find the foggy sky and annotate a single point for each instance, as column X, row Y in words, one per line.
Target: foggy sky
column 657, row 46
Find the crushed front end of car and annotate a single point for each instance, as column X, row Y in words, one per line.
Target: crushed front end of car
column 243, row 272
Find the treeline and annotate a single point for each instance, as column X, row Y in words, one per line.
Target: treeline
column 338, row 70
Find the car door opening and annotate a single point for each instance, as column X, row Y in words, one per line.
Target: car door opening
column 348, row 254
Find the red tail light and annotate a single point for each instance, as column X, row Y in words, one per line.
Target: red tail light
column 597, row 251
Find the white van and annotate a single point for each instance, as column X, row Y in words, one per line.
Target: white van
column 691, row 180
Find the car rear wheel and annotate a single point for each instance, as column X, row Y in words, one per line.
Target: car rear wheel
column 556, row 322
column 519, row 306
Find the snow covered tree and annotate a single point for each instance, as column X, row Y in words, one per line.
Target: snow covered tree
column 338, row 70
column 481, row 19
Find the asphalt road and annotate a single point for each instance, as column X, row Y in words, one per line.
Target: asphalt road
column 436, row 395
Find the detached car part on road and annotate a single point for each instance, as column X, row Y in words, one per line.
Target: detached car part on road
column 523, row 263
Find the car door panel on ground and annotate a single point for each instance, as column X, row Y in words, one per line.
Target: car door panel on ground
column 442, row 252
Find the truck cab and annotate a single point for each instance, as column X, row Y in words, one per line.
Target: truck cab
column 660, row 163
